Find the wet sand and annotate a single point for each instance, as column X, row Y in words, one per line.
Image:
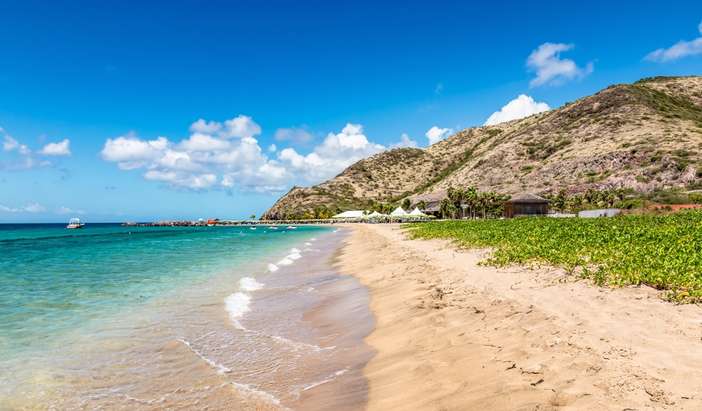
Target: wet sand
column 455, row 335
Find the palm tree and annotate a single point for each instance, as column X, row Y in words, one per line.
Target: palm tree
column 446, row 208
column 455, row 196
column 471, row 196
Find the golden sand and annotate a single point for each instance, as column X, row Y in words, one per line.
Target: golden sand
column 454, row 335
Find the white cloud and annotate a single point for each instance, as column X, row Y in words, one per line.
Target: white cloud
column 175, row 178
column 62, row 148
column 130, row 152
column 436, row 134
column 29, row 208
column 294, row 135
column 23, row 158
column 241, row 127
column 520, row 107
column 405, row 141
column 203, row 142
column 205, row 127
column 68, row 210
column 678, row 50
column 10, row 144
column 214, row 155
column 210, row 158
column 550, row 68
column 336, row 152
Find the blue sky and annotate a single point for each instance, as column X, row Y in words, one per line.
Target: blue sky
column 100, row 102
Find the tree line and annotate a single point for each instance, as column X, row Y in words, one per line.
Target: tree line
column 471, row 203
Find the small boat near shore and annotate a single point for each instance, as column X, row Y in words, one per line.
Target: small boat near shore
column 75, row 223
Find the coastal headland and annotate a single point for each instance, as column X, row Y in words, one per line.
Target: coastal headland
column 452, row 334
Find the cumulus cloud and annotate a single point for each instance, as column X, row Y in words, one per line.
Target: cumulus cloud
column 678, row 50
column 293, row 135
column 228, row 156
column 550, row 68
column 405, row 141
column 130, row 152
column 62, row 148
column 205, row 127
column 240, row 127
column 436, row 134
column 214, row 155
column 520, row 107
column 29, row 208
column 337, row 151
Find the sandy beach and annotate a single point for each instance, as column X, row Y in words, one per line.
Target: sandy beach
column 452, row 334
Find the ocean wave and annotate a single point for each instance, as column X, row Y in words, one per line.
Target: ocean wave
column 272, row 268
column 297, row 345
column 251, row 392
column 237, row 305
column 221, row 369
column 330, row 378
column 249, row 284
column 285, row 261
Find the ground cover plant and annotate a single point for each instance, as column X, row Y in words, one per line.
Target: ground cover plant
column 662, row 251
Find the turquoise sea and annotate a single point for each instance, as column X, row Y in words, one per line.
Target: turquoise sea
column 71, row 299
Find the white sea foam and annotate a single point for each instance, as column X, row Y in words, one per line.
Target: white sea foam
column 249, row 284
column 285, row 261
column 297, row 345
column 221, row 369
column 294, row 256
column 294, row 250
column 272, row 268
column 308, row 243
column 326, row 380
column 251, row 392
column 237, row 305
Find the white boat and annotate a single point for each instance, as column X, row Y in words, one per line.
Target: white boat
column 74, row 223
column 292, row 227
column 252, row 228
column 273, row 227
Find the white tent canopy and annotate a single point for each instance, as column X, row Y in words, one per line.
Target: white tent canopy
column 350, row 214
column 399, row 212
column 376, row 214
column 417, row 213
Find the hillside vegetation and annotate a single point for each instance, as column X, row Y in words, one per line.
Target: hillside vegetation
column 644, row 137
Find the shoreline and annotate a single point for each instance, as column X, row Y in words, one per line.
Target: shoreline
column 279, row 328
column 453, row 334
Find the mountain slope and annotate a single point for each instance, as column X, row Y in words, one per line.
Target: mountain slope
column 643, row 136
